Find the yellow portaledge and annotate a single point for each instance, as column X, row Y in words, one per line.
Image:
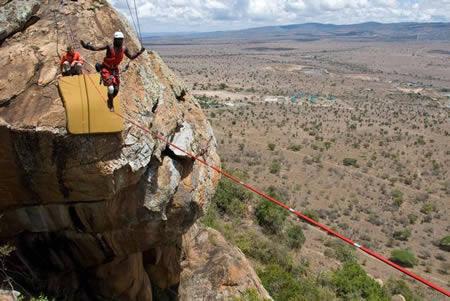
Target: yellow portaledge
column 85, row 102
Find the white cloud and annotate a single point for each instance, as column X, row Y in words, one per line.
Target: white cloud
column 205, row 15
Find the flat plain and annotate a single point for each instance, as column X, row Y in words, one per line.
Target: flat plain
column 356, row 133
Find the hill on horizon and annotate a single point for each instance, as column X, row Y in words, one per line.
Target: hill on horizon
column 370, row 31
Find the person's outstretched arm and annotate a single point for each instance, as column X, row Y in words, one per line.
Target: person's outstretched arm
column 132, row 57
column 89, row 46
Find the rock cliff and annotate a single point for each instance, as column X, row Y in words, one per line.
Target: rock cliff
column 95, row 217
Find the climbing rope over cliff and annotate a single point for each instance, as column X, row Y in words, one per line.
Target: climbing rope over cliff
column 300, row 215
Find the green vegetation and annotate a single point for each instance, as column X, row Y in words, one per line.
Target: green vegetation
column 275, row 167
column 402, row 235
column 284, row 277
column 399, row 287
column 295, row 147
column 350, row 162
column 231, row 198
column 352, row 283
column 340, row 251
column 428, row 208
column 206, row 102
column 312, row 214
column 271, row 146
column 397, row 196
column 444, row 243
column 270, row 216
column 294, row 236
column 404, row 258
column 283, row 285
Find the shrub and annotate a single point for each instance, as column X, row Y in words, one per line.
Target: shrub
column 275, row 167
column 295, row 147
column 270, row 216
column 295, row 237
column 312, row 214
column 428, row 208
column 399, row 287
column 350, row 162
column 412, row 218
column 403, row 235
column 397, row 196
column 280, row 284
column 283, row 285
column 230, row 199
column 341, row 251
column 444, row 243
column 271, row 146
column 404, row 258
column 352, row 283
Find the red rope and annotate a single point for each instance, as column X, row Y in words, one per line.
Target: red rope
column 284, row 206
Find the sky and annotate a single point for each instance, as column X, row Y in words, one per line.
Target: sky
column 211, row 15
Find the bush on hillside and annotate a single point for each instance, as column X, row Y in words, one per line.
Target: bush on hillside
column 230, row 199
column 284, row 286
column 275, row 167
column 399, row 287
column 350, row 162
column 263, row 249
column 352, row 283
column 397, row 196
column 444, row 243
column 404, row 258
column 295, row 237
column 270, row 216
column 312, row 214
column 341, row 251
column 402, row 235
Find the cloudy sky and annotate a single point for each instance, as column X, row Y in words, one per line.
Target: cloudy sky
column 210, row 15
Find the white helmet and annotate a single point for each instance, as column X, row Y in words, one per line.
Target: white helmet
column 118, row 35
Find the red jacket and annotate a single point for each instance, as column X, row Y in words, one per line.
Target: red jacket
column 76, row 57
column 113, row 59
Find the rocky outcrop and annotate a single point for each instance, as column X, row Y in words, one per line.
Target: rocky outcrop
column 16, row 16
column 94, row 216
column 215, row 270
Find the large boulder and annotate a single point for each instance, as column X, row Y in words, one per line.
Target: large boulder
column 88, row 214
column 215, row 270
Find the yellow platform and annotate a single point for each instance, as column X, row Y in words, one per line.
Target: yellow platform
column 85, row 102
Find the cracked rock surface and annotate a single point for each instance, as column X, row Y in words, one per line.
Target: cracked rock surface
column 94, row 217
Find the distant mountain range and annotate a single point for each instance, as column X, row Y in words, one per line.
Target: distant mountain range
column 316, row 31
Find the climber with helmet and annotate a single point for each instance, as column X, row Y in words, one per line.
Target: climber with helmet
column 71, row 62
column 109, row 69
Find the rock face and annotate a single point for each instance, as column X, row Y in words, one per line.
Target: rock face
column 215, row 270
column 94, row 217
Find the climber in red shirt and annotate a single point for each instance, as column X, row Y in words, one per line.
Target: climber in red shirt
column 71, row 62
column 109, row 69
